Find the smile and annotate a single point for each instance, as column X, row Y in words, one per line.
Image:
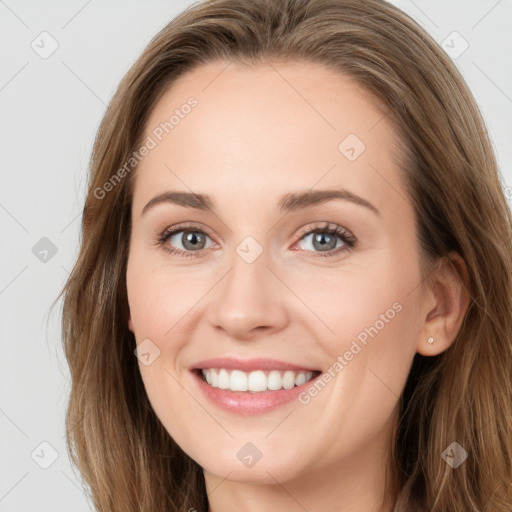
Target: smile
column 253, row 386
column 255, row 381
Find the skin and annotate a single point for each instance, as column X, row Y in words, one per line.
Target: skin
column 258, row 133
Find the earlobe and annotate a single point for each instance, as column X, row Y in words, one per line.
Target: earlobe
column 130, row 324
column 446, row 304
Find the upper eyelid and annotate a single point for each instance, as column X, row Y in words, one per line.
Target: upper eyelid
column 173, row 230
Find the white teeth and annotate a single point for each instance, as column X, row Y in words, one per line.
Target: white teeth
column 288, row 380
column 214, row 377
column 300, row 379
column 238, row 381
column 256, row 381
column 275, row 381
column 223, row 382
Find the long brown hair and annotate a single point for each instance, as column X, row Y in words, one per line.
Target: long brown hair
column 126, row 457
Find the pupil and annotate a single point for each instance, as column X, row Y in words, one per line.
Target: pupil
column 190, row 240
column 320, row 238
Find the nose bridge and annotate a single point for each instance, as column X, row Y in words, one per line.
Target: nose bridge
column 248, row 298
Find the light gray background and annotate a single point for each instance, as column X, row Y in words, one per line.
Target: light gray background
column 50, row 110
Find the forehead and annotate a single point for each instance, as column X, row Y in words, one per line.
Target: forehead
column 256, row 129
column 303, row 96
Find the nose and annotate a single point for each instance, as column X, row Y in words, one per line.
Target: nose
column 250, row 301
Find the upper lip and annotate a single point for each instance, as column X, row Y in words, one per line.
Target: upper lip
column 248, row 365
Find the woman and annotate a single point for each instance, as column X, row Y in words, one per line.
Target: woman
column 295, row 222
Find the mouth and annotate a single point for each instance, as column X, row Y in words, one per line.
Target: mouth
column 251, row 386
column 257, row 381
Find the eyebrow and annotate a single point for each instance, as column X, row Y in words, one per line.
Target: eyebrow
column 288, row 203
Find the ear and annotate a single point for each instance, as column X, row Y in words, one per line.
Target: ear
column 130, row 324
column 444, row 305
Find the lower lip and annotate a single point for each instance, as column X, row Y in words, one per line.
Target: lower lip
column 250, row 403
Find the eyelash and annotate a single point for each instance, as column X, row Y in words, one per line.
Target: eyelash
column 346, row 237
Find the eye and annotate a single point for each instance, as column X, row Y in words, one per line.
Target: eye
column 326, row 239
column 189, row 239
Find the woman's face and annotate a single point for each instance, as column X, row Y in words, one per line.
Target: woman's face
column 246, row 295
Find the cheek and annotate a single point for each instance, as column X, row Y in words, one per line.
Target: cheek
column 372, row 316
column 157, row 302
column 361, row 306
column 158, row 299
